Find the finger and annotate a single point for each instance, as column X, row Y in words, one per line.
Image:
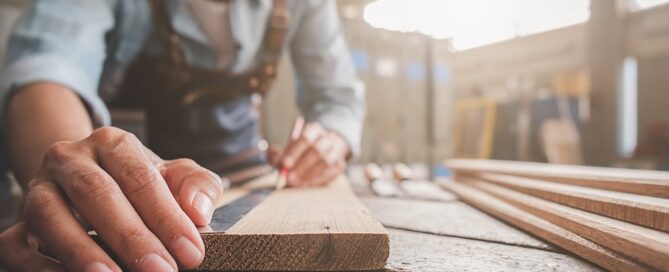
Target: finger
column 337, row 152
column 49, row 217
column 310, row 161
column 295, row 150
column 19, row 255
column 123, row 156
column 313, row 173
column 197, row 189
column 99, row 199
column 328, row 175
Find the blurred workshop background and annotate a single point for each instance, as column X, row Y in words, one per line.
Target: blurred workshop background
column 561, row 81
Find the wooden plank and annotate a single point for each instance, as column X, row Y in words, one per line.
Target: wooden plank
column 412, row 251
column 644, row 182
column 316, row 229
column 546, row 230
column 454, row 219
column 640, row 243
column 642, row 210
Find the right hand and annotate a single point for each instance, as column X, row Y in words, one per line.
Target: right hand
column 145, row 209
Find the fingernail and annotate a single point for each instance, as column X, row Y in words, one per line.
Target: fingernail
column 97, row 267
column 186, row 251
column 202, row 203
column 153, row 262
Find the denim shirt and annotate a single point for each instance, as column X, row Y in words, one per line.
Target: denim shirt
column 87, row 45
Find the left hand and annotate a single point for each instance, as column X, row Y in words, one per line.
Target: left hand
column 315, row 158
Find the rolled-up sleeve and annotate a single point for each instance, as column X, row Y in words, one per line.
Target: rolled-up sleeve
column 329, row 91
column 62, row 42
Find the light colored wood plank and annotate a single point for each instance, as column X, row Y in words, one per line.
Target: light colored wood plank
column 642, row 210
column 314, row 229
column 546, row 230
column 640, row 243
column 644, row 182
column 412, row 251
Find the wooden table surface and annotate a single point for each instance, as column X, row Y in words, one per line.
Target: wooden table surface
column 452, row 236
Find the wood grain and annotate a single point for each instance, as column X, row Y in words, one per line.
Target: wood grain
column 647, row 211
column 644, row 182
column 546, row 230
column 412, row 251
column 639, row 243
column 315, row 229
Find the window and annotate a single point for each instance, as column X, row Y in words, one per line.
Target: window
column 473, row 23
column 627, row 113
column 635, row 5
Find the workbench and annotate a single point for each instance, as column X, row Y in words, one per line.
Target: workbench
column 450, row 235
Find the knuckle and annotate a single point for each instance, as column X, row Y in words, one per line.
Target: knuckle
column 112, row 135
column 169, row 219
column 212, row 186
column 185, row 161
column 139, row 179
column 312, row 132
column 132, row 237
column 58, row 152
column 36, row 200
column 92, row 184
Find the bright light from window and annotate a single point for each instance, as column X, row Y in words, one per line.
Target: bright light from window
column 635, row 5
column 473, row 23
column 627, row 115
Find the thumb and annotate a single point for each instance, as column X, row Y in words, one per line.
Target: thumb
column 196, row 189
column 20, row 252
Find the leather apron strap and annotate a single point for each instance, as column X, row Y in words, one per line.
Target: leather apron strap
column 206, row 114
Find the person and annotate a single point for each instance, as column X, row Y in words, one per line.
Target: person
column 194, row 66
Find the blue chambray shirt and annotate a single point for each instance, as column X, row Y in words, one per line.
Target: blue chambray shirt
column 87, row 45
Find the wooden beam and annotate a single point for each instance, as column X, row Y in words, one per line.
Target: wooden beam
column 640, row 243
column 315, row 229
column 642, row 210
column 644, row 182
column 559, row 236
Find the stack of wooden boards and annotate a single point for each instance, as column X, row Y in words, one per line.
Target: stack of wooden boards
column 615, row 218
column 298, row 229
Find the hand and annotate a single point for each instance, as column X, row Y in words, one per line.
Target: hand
column 316, row 157
column 143, row 208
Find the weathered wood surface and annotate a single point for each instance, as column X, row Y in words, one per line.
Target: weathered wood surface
column 640, row 243
column 568, row 240
column 495, row 246
column 644, row 182
column 315, row 229
column 455, row 219
column 642, row 210
column 412, row 251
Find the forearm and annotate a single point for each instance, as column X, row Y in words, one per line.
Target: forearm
column 39, row 115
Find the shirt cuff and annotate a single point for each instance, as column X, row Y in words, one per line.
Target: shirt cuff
column 54, row 69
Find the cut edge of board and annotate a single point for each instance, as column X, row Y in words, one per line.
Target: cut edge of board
column 643, row 211
column 280, row 255
column 543, row 229
column 642, row 244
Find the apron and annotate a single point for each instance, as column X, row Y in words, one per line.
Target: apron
column 202, row 114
